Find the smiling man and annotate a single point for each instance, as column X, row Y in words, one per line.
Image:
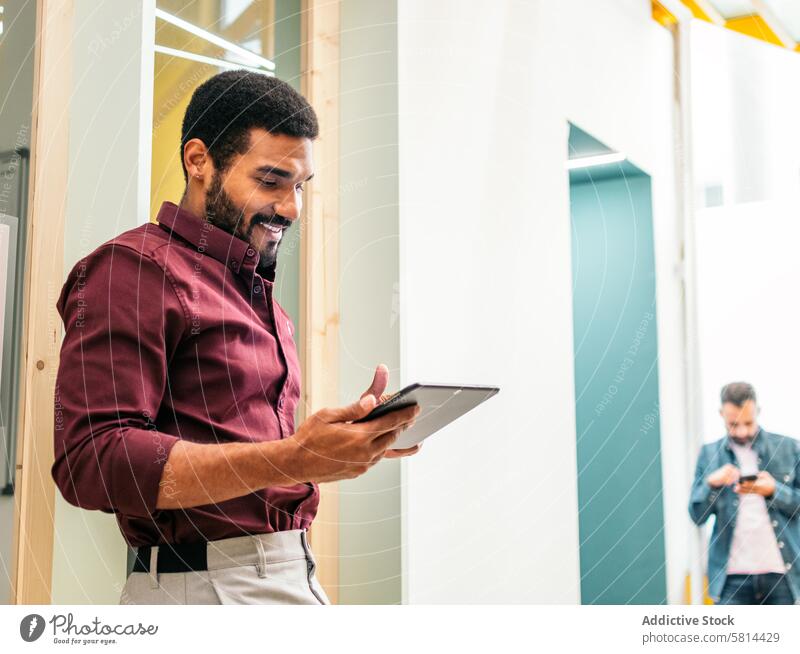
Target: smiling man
column 749, row 480
column 179, row 378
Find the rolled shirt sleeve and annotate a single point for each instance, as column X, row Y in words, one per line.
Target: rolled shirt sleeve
column 123, row 320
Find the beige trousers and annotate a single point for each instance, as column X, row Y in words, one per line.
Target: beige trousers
column 264, row 569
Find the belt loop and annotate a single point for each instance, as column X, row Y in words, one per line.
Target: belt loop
column 152, row 569
column 312, row 564
column 261, row 566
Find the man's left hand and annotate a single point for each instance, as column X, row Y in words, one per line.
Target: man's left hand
column 764, row 485
column 377, row 389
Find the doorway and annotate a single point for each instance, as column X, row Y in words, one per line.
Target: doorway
column 620, row 500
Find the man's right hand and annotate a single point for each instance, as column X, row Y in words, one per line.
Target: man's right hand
column 724, row 476
column 329, row 447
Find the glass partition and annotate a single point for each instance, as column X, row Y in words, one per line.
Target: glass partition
column 17, row 35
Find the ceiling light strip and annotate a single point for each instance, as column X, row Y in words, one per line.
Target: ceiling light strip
column 246, row 54
column 211, row 61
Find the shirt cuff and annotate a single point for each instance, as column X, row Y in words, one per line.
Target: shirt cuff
column 137, row 468
column 705, row 493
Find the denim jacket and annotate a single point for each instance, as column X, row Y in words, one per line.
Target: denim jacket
column 779, row 456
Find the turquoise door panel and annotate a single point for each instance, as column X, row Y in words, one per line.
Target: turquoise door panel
column 621, row 517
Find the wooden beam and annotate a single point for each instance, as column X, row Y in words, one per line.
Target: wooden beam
column 319, row 259
column 34, row 492
column 268, row 29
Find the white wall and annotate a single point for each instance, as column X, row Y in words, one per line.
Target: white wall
column 108, row 193
column 745, row 96
column 486, row 90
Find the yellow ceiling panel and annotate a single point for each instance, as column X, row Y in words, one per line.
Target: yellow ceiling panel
column 662, row 15
column 754, row 26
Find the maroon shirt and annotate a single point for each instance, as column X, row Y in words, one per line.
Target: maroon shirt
column 171, row 333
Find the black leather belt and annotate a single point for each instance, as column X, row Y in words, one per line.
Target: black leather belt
column 173, row 558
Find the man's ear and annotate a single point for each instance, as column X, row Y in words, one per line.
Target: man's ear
column 196, row 159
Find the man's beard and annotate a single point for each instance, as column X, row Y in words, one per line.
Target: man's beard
column 742, row 441
column 223, row 213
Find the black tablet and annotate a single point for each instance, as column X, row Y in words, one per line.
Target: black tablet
column 441, row 404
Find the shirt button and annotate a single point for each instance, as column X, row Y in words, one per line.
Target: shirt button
column 774, row 523
column 788, row 566
column 234, row 265
column 280, row 403
column 250, row 252
column 257, row 290
column 785, row 477
column 780, row 544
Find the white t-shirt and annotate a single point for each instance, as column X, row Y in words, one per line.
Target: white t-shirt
column 754, row 548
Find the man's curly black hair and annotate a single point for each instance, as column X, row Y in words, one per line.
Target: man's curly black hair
column 226, row 107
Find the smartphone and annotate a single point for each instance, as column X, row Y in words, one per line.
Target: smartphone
column 748, row 478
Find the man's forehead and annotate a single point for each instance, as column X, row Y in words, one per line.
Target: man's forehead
column 732, row 410
column 275, row 148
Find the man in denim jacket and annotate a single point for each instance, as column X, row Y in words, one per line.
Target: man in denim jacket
column 753, row 554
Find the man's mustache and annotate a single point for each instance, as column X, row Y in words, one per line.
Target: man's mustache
column 275, row 219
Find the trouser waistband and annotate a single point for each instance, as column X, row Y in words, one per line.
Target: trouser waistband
column 258, row 549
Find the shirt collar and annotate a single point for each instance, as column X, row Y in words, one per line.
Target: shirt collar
column 230, row 250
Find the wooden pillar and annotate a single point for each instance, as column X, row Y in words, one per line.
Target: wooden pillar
column 34, row 492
